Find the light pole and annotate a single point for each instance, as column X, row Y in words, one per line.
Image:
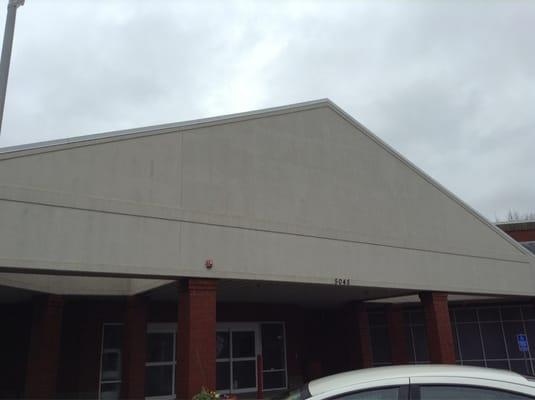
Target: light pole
column 6, row 52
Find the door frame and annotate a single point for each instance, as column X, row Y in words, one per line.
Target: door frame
column 241, row 327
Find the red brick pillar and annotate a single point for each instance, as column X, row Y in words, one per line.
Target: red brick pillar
column 134, row 348
column 196, row 333
column 44, row 351
column 364, row 342
column 438, row 327
column 397, row 334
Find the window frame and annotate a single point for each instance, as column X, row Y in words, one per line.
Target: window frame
column 257, row 327
column 119, row 350
column 529, row 245
column 231, row 327
column 502, row 322
column 285, row 356
column 164, row 328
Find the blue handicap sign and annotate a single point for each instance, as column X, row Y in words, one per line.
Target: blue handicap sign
column 522, row 341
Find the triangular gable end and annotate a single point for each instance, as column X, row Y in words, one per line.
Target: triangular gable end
column 158, row 201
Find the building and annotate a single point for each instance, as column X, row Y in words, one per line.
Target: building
column 256, row 250
column 522, row 231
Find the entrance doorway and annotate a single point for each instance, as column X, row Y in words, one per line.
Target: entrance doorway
column 237, row 346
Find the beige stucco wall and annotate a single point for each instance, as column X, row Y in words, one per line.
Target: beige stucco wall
column 298, row 195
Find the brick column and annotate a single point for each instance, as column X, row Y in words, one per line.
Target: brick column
column 196, row 333
column 397, row 334
column 364, row 342
column 438, row 327
column 134, row 348
column 44, row 351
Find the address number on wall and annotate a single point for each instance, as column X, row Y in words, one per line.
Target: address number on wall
column 341, row 281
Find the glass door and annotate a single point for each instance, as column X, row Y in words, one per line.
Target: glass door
column 237, row 346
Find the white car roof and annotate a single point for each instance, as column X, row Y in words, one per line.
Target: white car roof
column 343, row 379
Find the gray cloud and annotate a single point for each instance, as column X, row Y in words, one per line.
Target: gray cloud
column 448, row 84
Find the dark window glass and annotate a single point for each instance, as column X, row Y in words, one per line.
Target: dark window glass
column 160, row 347
column 111, row 365
column 410, row 347
column 112, row 336
column 493, row 340
column 456, row 342
column 111, row 361
column 474, row 363
column 512, row 329
column 466, row 392
column 503, row 364
column 420, row 343
column 376, row 394
column 417, row 317
column 465, row 315
column 274, row 380
column 530, row 330
column 470, row 341
column 377, row 318
column 530, row 246
column 272, row 346
column 110, row 391
column 243, row 344
column 523, row 367
column 159, row 380
column 511, row 314
column 380, row 345
column 489, row 314
column 222, row 345
column 528, row 312
column 222, row 375
column 244, row 374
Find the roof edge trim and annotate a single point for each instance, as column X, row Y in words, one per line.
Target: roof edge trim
column 123, row 134
column 427, row 177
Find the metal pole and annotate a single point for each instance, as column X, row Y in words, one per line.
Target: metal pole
column 6, row 52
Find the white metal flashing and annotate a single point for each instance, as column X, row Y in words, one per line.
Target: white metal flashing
column 52, row 145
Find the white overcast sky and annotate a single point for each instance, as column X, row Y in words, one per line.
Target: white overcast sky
column 450, row 85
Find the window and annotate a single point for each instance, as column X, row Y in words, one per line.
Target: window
column 486, row 336
column 529, row 245
column 379, row 337
column 237, row 348
column 161, row 361
column 274, row 356
column 416, row 337
column 392, row 393
column 452, row 392
column 110, row 362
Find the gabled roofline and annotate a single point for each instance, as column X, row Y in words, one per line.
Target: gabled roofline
column 429, row 179
column 124, row 134
column 88, row 140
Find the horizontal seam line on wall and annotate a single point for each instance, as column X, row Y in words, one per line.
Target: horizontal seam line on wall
column 261, row 230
